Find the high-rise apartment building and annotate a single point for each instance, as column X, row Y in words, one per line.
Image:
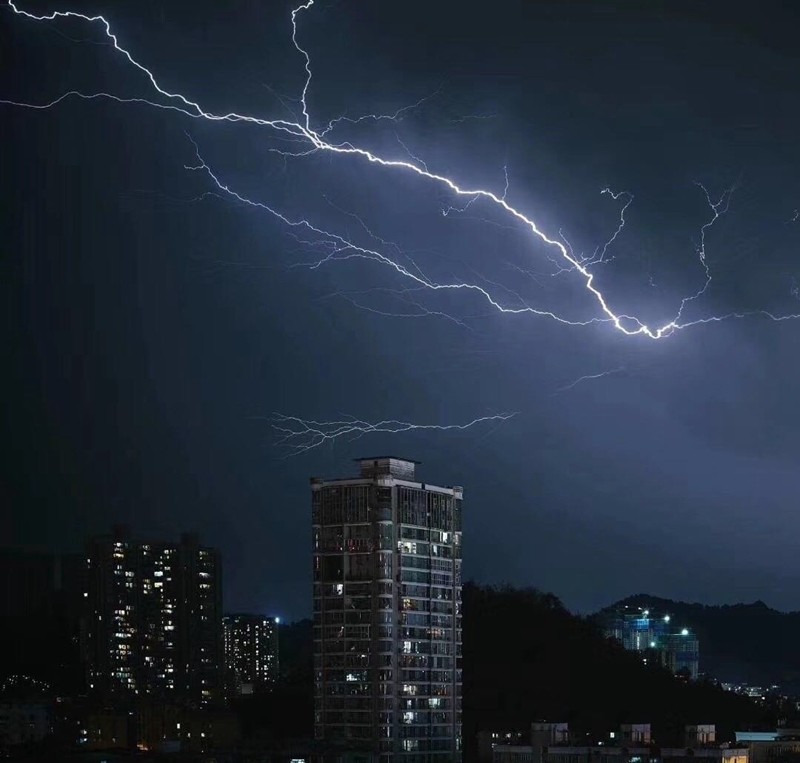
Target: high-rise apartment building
column 387, row 613
column 153, row 625
column 251, row 653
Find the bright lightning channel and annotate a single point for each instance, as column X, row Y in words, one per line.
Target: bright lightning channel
column 341, row 248
column 301, row 435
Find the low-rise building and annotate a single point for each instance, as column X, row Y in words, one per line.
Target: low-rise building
column 633, row 744
column 780, row 746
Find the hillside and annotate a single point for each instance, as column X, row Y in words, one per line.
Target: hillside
column 746, row 643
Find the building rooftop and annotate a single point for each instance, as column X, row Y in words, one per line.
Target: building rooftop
column 386, row 458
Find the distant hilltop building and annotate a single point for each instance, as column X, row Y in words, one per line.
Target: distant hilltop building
column 387, row 613
column 655, row 635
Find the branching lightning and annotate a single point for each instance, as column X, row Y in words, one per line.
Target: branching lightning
column 600, row 257
column 589, row 377
column 301, row 435
column 334, row 246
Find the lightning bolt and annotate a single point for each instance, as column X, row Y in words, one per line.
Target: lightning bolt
column 337, row 247
column 795, row 216
column 340, row 248
column 301, row 435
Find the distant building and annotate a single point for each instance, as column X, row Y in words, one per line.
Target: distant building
column 154, row 625
column 387, row 613
column 517, row 747
column 488, row 740
column 251, row 653
column 146, row 725
column 656, row 636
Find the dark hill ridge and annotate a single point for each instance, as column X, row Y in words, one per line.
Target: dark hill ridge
column 526, row 657
column 747, row 643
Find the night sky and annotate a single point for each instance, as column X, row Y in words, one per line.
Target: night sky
column 150, row 330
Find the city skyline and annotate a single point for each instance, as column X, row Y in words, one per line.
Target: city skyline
column 158, row 325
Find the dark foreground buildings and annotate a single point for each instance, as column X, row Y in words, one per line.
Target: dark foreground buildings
column 387, row 613
column 40, row 619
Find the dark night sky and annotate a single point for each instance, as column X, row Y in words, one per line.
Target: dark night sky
column 147, row 334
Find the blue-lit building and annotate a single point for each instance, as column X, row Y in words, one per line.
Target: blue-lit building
column 656, row 636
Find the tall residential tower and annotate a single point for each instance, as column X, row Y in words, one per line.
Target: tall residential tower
column 387, row 613
column 251, row 653
column 154, row 619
